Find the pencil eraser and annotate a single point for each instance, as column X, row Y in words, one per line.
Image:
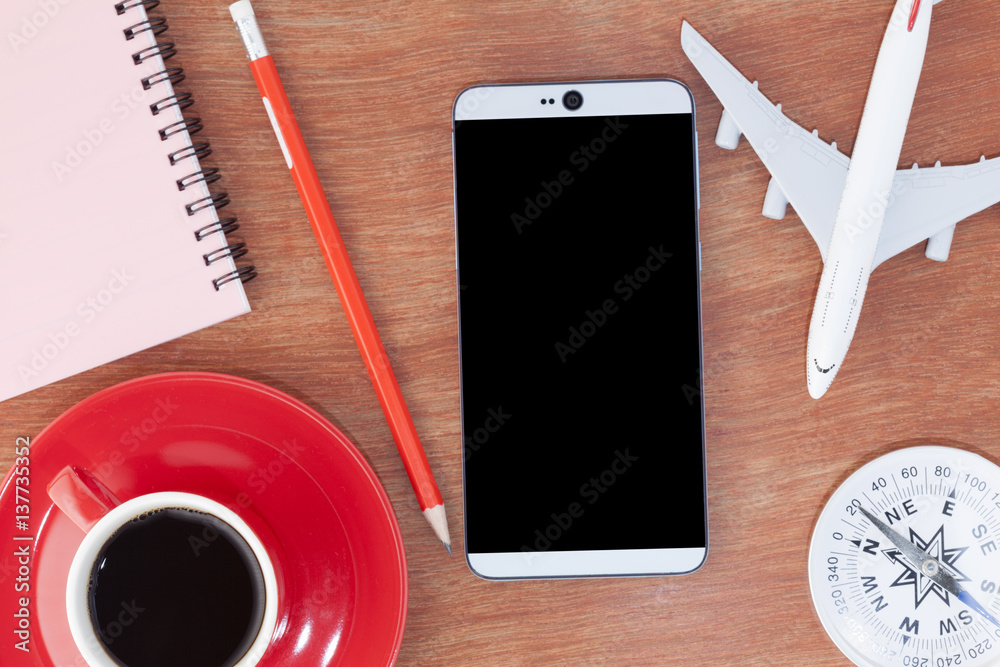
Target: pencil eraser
column 241, row 10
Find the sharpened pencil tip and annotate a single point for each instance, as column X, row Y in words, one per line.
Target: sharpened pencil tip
column 439, row 522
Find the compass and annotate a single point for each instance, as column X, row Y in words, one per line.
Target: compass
column 904, row 565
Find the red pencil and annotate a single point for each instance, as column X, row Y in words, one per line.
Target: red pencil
column 348, row 288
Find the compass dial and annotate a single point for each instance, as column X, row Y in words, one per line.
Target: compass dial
column 904, row 565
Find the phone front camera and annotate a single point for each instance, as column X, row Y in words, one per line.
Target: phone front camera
column 572, row 100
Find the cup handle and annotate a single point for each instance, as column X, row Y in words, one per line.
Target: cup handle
column 81, row 496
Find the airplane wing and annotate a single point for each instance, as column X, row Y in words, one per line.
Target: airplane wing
column 928, row 203
column 810, row 174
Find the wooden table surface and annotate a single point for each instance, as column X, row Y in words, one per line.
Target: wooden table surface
column 373, row 85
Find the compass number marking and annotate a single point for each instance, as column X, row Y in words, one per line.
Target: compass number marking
column 980, row 649
column 975, row 482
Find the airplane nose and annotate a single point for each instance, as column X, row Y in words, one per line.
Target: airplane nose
column 819, row 381
column 817, row 387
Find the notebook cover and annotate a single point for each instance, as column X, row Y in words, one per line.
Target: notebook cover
column 98, row 257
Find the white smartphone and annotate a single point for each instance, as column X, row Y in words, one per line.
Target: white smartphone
column 576, row 209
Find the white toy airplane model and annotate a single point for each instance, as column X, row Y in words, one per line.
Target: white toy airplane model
column 860, row 210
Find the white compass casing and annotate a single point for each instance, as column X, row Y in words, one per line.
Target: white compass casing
column 878, row 606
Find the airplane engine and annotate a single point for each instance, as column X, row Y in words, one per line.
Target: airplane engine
column 729, row 133
column 939, row 245
column 775, row 201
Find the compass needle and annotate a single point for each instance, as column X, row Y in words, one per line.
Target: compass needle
column 929, row 566
column 897, row 543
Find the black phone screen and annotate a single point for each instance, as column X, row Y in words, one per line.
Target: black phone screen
column 580, row 333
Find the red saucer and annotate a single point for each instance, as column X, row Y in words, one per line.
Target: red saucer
column 295, row 479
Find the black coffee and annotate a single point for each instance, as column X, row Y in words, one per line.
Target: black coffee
column 176, row 587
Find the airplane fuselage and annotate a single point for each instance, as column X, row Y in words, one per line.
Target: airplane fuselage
column 867, row 193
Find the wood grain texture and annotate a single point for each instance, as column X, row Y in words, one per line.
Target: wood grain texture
column 373, row 86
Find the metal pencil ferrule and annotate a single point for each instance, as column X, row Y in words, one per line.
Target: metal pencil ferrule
column 252, row 38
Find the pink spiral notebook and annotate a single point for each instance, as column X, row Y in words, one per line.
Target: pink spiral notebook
column 110, row 239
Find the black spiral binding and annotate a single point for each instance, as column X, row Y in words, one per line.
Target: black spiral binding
column 166, row 50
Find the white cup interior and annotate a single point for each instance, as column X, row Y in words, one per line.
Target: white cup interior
column 77, row 586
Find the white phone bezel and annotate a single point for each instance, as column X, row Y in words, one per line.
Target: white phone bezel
column 600, row 98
